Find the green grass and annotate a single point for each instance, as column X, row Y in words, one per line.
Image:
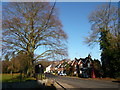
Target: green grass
column 9, row 77
column 14, row 78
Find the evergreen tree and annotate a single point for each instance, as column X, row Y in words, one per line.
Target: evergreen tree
column 105, row 31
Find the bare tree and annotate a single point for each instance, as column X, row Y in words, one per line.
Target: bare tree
column 105, row 17
column 29, row 25
column 105, row 31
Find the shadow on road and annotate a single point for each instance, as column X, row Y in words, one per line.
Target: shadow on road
column 52, row 87
column 116, row 81
column 28, row 84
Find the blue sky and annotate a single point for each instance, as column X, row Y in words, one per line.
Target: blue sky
column 74, row 17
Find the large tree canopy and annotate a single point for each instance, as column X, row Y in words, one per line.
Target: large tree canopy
column 29, row 25
column 105, row 17
column 105, row 31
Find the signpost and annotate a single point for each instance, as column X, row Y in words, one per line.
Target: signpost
column 39, row 70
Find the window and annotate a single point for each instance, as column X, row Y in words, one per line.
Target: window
column 88, row 64
column 81, row 65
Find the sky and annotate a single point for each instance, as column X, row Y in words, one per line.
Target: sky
column 74, row 17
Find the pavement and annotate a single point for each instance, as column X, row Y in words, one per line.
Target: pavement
column 57, row 84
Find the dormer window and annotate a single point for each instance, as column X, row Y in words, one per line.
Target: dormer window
column 81, row 65
column 75, row 66
column 88, row 64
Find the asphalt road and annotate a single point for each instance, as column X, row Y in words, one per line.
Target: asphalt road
column 86, row 83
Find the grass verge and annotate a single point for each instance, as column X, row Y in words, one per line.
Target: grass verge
column 14, row 78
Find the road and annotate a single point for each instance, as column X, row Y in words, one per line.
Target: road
column 85, row 83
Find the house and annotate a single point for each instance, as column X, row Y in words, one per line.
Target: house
column 58, row 67
column 75, row 67
column 85, row 67
column 52, row 67
column 82, row 67
column 61, row 67
column 48, row 68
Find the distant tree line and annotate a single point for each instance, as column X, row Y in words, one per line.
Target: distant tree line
column 20, row 63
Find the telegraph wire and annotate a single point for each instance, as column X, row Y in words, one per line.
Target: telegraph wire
column 50, row 13
column 109, row 9
column 49, row 17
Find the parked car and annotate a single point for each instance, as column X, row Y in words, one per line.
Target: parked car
column 62, row 74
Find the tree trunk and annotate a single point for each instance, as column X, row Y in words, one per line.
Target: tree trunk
column 30, row 71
